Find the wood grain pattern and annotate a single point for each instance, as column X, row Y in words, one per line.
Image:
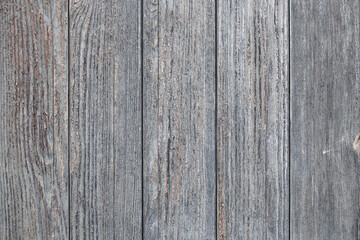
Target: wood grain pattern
column 126, row 28
column 184, row 118
column 105, row 116
column 253, row 116
column 33, row 116
column 324, row 119
column 179, row 119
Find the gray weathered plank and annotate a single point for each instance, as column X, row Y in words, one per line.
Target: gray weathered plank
column 179, row 119
column 105, row 94
column 324, row 118
column 126, row 31
column 33, row 120
column 253, row 116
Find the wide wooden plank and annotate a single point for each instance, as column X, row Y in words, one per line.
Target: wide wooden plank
column 33, row 120
column 179, row 119
column 324, row 119
column 253, row 116
column 105, row 130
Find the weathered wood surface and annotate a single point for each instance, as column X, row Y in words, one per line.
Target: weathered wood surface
column 324, row 119
column 33, row 120
column 126, row 29
column 179, row 120
column 253, row 117
column 178, row 116
column 105, row 131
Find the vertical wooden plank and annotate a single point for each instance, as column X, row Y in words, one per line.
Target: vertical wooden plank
column 33, row 120
column 253, row 116
column 105, row 117
column 127, row 124
column 91, row 122
column 179, row 119
column 324, row 118
column 61, row 70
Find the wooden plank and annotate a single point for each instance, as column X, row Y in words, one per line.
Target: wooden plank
column 105, row 116
column 33, row 120
column 253, row 116
column 126, row 28
column 179, row 120
column 324, row 119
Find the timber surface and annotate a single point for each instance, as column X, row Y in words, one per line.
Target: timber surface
column 161, row 119
column 253, row 120
column 105, row 120
column 33, row 125
column 325, row 118
column 179, row 120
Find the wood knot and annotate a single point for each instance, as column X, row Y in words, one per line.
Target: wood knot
column 356, row 144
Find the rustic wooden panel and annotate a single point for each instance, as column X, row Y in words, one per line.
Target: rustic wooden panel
column 105, row 117
column 324, row 119
column 179, row 119
column 126, row 29
column 33, row 120
column 253, row 116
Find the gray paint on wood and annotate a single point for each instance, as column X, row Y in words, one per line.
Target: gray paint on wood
column 33, row 116
column 324, row 119
column 253, row 116
column 179, row 119
column 105, row 130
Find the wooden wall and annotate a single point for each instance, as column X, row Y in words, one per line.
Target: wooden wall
column 163, row 119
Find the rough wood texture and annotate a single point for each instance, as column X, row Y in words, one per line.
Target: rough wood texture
column 33, row 116
column 179, row 119
column 126, row 29
column 324, row 118
column 220, row 128
column 105, row 116
column 253, row 164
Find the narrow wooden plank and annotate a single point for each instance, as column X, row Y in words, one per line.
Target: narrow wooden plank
column 126, row 29
column 253, row 116
column 179, row 119
column 105, row 117
column 324, row 118
column 91, row 121
column 33, row 120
